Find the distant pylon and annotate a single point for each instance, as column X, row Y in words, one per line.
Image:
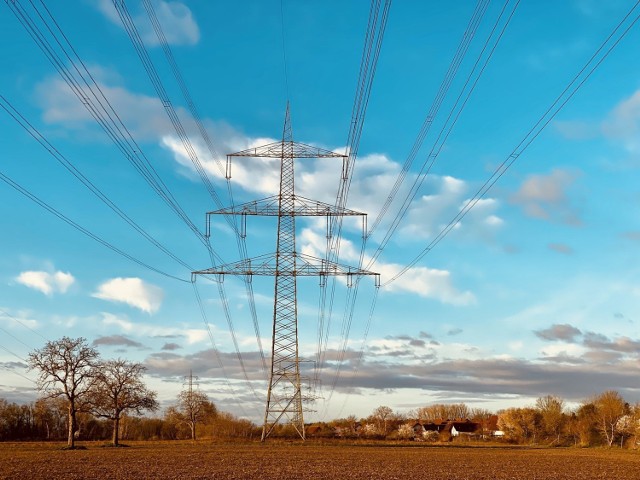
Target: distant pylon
column 284, row 393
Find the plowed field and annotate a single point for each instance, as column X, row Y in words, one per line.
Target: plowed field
column 172, row 460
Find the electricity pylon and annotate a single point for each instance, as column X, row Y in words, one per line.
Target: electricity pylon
column 284, row 395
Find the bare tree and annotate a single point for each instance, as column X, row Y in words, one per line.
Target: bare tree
column 381, row 416
column 193, row 407
column 119, row 388
column 610, row 408
column 441, row 411
column 67, row 368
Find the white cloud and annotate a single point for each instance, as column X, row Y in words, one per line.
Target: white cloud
column 45, row 282
column 143, row 115
column 176, row 19
column 193, row 335
column 15, row 319
column 562, row 349
column 315, row 178
column 132, row 291
column 426, row 282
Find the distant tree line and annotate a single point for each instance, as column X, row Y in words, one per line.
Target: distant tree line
column 89, row 398
column 605, row 419
column 46, row 419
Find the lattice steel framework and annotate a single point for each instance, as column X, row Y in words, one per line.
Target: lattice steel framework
column 284, row 394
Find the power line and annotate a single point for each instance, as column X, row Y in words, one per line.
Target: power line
column 156, row 81
column 3, row 312
column 71, row 168
column 80, row 228
column 557, row 105
column 356, row 368
column 14, row 337
column 446, row 129
column 374, row 36
column 94, row 100
column 463, row 46
column 445, row 85
column 468, row 36
column 164, row 98
column 216, row 352
column 21, row 359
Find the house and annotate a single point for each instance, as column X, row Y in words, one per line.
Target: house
column 447, row 428
column 464, row 427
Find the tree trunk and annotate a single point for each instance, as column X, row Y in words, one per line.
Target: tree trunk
column 72, row 426
column 116, row 428
column 193, row 430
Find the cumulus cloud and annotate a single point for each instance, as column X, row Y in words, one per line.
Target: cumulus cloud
column 545, row 197
column 424, row 281
column 133, row 292
column 46, row 282
column 316, row 179
column 192, row 335
column 588, row 345
column 621, row 125
column 171, row 346
column 176, row 19
column 600, row 342
column 119, row 340
column 431, row 212
column 564, row 332
column 143, row 114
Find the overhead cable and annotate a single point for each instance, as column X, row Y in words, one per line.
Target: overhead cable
column 81, row 229
column 156, row 81
column 71, row 168
column 558, row 104
column 90, row 94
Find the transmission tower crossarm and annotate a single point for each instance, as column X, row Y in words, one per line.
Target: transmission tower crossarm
column 306, row 266
column 294, row 149
column 303, row 207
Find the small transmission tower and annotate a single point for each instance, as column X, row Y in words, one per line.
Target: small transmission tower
column 284, row 394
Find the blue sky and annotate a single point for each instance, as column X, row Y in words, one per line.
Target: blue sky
column 535, row 292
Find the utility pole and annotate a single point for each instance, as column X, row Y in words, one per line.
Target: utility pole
column 284, row 395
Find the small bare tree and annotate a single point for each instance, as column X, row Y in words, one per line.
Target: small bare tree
column 193, row 407
column 381, row 417
column 67, row 368
column 441, row 411
column 119, row 388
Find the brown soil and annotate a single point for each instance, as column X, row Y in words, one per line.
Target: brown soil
column 204, row 460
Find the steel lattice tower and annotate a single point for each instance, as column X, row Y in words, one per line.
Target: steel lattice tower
column 284, row 394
